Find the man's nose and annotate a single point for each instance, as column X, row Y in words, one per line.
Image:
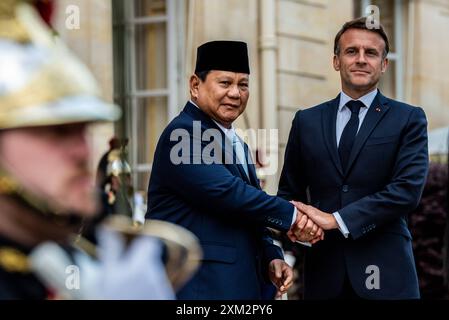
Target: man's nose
column 234, row 92
column 79, row 146
column 361, row 57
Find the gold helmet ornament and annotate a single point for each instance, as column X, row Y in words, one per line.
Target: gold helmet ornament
column 41, row 82
column 117, row 165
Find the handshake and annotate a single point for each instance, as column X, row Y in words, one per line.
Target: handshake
column 310, row 224
column 309, row 227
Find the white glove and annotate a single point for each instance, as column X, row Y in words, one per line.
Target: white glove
column 132, row 272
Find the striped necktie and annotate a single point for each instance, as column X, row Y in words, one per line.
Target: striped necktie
column 240, row 153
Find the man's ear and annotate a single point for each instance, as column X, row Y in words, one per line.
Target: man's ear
column 194, row 86
column 384, row 65
column 336, row 63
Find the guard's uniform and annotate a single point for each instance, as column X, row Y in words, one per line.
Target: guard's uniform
column 16, row 279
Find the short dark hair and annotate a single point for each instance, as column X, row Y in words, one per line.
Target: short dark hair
column 202, row 74
column 360, row 23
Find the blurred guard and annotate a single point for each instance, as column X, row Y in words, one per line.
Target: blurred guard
column 47, row 99
column 114, row 144
column 116, row 191
column 118, row 186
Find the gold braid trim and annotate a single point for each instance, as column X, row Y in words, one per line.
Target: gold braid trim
column 10, row 26
column 13, row 260
column 9, row 186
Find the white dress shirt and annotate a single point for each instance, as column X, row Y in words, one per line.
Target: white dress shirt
column 343, row 116
column 237, row 143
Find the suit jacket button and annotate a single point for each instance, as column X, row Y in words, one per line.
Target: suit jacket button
column 345, row 188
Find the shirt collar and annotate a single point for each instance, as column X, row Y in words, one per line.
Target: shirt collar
column 367, row 99
column 228, row 132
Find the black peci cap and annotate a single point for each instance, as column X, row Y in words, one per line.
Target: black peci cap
column 222, row 55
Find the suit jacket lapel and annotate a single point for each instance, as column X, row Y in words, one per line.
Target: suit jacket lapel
column 329, row 119
column 375, row 113
column 198, row 115
column 242, row 172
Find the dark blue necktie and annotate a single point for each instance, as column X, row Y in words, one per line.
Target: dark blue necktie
column 350, row 131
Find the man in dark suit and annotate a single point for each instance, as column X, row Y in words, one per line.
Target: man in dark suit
column 360, row 161
column 203, row 179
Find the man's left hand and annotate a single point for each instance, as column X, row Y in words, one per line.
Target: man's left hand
column 281, row 275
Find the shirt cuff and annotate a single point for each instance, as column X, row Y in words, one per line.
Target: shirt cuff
column 341, row 224
column 306, row 244
column 295, row 214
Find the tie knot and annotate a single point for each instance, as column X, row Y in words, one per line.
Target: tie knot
column 354, row 106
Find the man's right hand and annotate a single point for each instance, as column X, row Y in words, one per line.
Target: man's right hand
column 305, row 230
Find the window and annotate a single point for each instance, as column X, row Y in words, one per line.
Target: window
column 147, row 44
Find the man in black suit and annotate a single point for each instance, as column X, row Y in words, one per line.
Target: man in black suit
column 360, row 161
